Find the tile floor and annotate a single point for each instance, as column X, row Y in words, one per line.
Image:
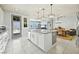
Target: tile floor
column 64, row 47
column 17, row 46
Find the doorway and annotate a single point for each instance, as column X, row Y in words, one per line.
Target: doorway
column 16, row 26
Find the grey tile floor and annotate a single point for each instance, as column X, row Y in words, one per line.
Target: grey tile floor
column 20, row 46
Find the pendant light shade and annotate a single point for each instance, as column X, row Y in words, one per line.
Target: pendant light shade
column 51, row 15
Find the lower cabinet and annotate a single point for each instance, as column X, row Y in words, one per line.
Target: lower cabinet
column 34, row 37
column 3, row 41
column 42, row 40
column 47, row 41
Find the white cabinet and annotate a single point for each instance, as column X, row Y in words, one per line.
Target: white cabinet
column 1, row 16
column 35, row 40
column 3, row 41
column 45, row 41
column 42, row 40
column 33, row 37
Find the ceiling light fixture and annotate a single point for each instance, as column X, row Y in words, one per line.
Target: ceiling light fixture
column 51, row 15
column 38, row 15
column 43, row 10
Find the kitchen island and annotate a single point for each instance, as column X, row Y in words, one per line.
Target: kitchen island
column 44, row 39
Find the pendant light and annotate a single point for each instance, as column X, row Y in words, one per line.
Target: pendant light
column 43, row 13
column 51, row 9
column 38, row 16
column 51, row 14
column 38, row 13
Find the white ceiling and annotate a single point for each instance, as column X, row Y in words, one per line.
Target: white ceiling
column 31, row 9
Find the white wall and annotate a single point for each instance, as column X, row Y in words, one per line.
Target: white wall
column 68, row 22
column 7, row 22
column 1, row 17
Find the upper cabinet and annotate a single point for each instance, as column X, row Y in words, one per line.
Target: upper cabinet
column 1, row 16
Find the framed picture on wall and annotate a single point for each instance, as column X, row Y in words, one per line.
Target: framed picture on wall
column 25, row 22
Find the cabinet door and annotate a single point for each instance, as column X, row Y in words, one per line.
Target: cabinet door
column 48, row 41
column 41, row 41
column 31, row 37
column 34, row 37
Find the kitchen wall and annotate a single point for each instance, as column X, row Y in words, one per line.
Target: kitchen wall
column 68, row 22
